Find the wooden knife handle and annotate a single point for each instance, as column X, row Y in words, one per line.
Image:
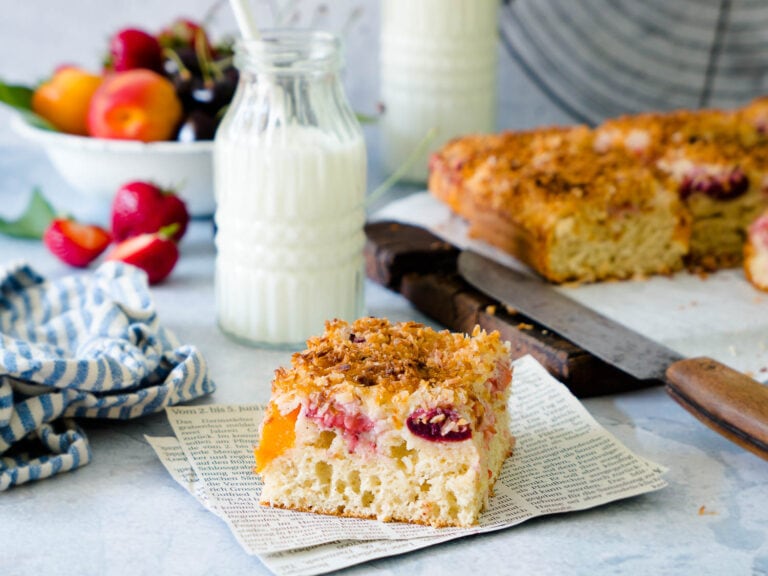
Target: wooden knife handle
column 727, row 401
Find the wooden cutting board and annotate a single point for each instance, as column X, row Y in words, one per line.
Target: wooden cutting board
column 423, row 268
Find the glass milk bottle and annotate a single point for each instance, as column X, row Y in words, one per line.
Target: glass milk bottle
column 289, row 178
column 438, row 72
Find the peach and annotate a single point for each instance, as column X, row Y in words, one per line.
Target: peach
column 65, row 98
column 135, row 105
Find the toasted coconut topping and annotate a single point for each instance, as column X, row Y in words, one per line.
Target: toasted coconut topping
column 374, row 356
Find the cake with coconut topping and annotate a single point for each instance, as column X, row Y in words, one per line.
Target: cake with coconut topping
column 392, row 421
column 638, row 195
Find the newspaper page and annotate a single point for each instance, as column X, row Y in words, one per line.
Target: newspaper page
column 563, row 461
column 176, row 463
column 299, row 562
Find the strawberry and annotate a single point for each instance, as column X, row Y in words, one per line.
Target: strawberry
column 133, row 48
column 74, row 243
column 141, row 207
column 155, row 253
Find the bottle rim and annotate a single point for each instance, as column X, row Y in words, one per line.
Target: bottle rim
column 287, row 50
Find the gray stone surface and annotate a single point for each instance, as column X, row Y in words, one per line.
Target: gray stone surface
column 123, row 514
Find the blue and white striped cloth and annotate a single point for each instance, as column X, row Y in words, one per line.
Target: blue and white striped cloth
column 81, row 347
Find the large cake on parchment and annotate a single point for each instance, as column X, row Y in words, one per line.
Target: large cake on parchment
column 636, row 196
column 393, row 421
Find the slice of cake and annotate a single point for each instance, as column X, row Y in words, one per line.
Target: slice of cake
column 756, row 253
column 708, row 158
column 722, row 189
column 576, row 216
column 396, row 422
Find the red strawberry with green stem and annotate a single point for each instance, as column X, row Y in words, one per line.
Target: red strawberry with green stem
column 156, row 253
column 141, row 207
column 132, row 48
column 75, row 243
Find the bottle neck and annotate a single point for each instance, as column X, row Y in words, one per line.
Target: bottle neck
column 290, row 52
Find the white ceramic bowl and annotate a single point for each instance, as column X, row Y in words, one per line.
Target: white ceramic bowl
column 97, row 167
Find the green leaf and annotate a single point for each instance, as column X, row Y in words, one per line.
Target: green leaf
column 20, row 99
column 37, row 121
column 33, row 222
column 16, row 96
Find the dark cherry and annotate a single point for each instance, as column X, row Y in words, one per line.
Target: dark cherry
column 228, row 83
column 231, row 75
column 210, row 96
column 197, row 126
column 705, row 184
column 183, row 86
column 738, row 182
column 735, row 184
column 439, row 424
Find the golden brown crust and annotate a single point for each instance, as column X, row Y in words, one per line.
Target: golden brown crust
column 507, row 153
column 650, row 135
column 384, row 358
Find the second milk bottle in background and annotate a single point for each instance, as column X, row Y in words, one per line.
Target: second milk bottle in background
column 290, row 178
column 438, row 71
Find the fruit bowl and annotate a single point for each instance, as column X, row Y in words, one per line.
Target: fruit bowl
column 97, row 167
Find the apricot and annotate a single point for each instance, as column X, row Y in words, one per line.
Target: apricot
column 277, row 435
column 135, row 105
column 64, row 100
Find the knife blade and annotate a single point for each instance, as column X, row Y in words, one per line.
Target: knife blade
column 724, row 399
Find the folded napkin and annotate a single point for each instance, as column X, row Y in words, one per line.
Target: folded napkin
column 81, row 347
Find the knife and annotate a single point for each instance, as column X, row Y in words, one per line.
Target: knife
column 724, row 399
column 423, row 268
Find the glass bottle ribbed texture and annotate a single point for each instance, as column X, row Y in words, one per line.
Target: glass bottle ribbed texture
column 290, row 179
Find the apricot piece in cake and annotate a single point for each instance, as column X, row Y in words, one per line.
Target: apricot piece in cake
column 278, row 434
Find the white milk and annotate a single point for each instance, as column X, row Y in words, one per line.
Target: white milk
column 438, row 71
column 290, row 235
